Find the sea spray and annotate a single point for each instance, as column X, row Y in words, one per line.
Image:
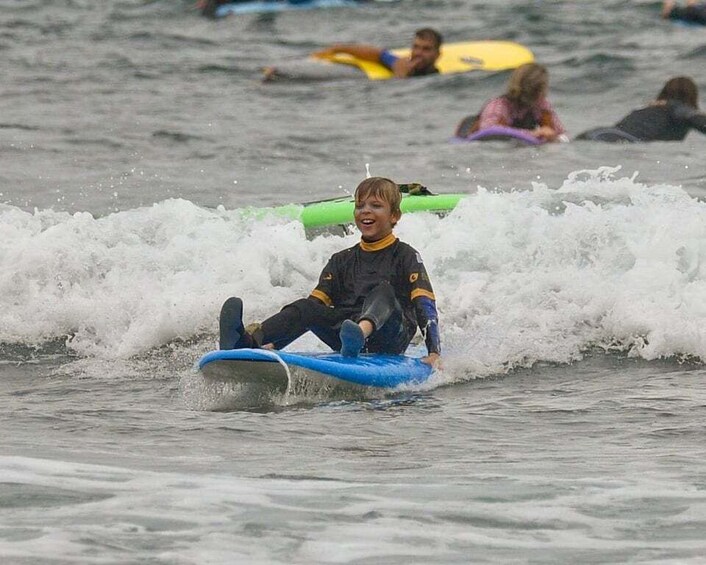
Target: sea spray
column 541, row 274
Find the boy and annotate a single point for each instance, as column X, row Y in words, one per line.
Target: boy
column 370, row 297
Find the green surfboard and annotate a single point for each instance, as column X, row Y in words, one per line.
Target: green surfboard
column 339, row 211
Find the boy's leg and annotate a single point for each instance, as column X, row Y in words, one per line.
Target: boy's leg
column 393, row 331
column 390, row 332
column 230, row 323
column 352, row 338
column 297, row 318
column 378, row 307
column 233, row 334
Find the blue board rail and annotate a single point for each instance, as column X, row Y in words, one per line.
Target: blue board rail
column 384, row 371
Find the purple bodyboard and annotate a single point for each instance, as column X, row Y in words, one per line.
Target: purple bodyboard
column 501, row 133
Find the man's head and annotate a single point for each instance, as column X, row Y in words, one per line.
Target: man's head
column 426, row 48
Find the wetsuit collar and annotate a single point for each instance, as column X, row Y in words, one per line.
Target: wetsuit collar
column 379, row 244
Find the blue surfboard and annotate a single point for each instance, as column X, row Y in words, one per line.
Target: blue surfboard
column 271, row 6
column 277, row 370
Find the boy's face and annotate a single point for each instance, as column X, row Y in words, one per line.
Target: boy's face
column 373, row 218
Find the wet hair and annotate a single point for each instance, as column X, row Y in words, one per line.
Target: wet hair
column 527, row 84
column 382, row 188
column 682, row 89
column 430, row 34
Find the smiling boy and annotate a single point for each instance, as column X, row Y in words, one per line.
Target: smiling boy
column 371, row 297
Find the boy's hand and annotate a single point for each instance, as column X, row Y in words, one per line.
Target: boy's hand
column 433, row 359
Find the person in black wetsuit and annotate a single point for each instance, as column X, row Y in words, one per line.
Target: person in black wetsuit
column 669, row 118
column 371, row 297
column 693, row 13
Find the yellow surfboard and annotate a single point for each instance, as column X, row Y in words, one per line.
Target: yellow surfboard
column 455, row 58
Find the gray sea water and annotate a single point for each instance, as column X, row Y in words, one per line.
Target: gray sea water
column 567, row 424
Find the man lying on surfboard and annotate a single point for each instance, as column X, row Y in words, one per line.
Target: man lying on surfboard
column 426, row 49
column 371, row 297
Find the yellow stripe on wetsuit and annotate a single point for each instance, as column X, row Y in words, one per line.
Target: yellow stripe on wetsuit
column 417, row 292
column 316, row 293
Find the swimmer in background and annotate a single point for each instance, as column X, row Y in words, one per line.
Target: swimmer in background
column 426, row 49
column 693, row 13
column 668, row 118
column 523, row 107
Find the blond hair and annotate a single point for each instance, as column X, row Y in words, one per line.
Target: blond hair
column 382, row 188
column 528, row 83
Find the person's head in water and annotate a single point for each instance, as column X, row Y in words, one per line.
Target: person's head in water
column 528, row 84
column 681, row 89
column 377, row 207
column 426, row 47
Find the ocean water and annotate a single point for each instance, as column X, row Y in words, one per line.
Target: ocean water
column 567, row 423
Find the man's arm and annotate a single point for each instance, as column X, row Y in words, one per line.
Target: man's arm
column 401, row 67
column 361, row 51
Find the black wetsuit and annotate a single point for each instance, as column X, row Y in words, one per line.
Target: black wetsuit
column 695, row 14
column 658, row 122
column 384, row 282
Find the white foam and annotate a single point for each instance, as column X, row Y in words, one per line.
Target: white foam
column 541, row 273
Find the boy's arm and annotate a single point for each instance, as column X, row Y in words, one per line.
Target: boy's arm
column 428, row 320
column 325, row 291
column 424, row 302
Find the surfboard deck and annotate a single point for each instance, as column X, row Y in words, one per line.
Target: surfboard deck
column 458, row 57
column 281, row 371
